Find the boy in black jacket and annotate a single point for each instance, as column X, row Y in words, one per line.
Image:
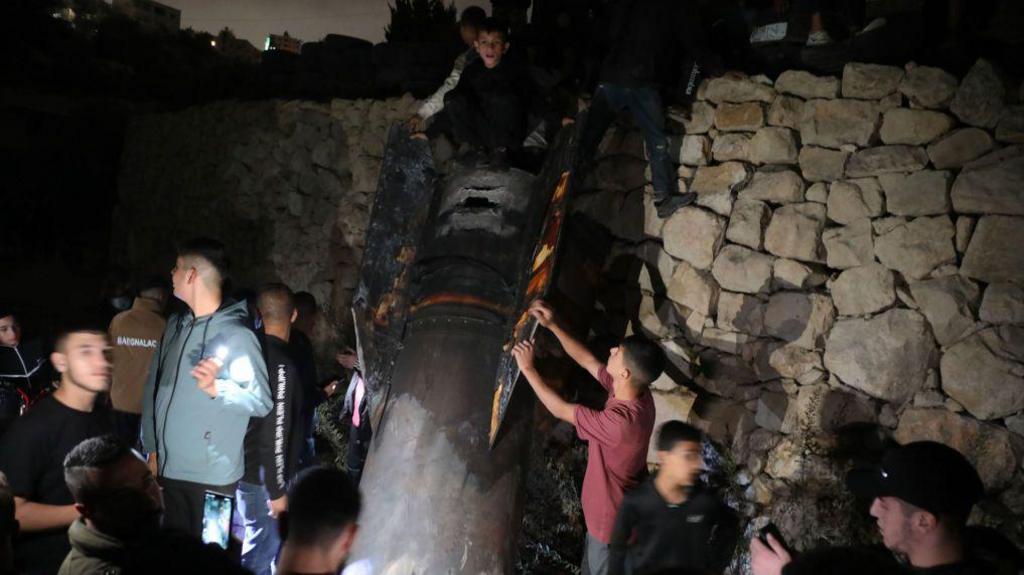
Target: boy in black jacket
column 273, row 443
column 669, row 524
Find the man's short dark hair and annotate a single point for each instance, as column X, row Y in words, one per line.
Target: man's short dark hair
column 305, row 302
column 472, row 17
column 275, row 302
column 210, row 250
column 153, row 285
column 494, row 26
column 89, row 457
column 675, row 431
column 643, row 358
column 7, row 312
column 321, row 503
column 60, row 343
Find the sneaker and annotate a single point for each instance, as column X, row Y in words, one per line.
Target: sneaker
column 668, row 206
column 819, row 38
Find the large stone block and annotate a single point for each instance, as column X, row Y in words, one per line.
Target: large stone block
column 691, row 149
column 729, row 89
column 949, row 303
column 819, row 408
column 694, row 235
column 795, row 232
column 886, row 160
column 834, row 123
column 887, row 356
column 743, row 270
column 773, row 146
column 849, row 246
column 785, row 111
column 870, row 81
column 917, row 247
column 959, row 147
column 797, row 363
column 714, row 185
column 747, row 223
column 923, row 193
column 991, row 189
column 864, row 290
column 914, row 127
column 980, row 98
column 1011, row 125
column 803, row 319
column 741, row 313
column 793, row 275
column 702, row 118
column 851, row 200
column 986, row 446
column 1003, row 303
column 928, row 87
column 668, row 406
column 807, row 85
column 822, row 164
column 692, row 288
column 985, row 372
column 745, row 117
column 995, row 254
column 730, row 147
column 775, row 186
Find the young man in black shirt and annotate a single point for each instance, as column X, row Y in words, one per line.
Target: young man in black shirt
column 669, row 524
column 33, row 450
column 273, row 443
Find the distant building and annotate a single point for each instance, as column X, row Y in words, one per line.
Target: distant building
column 283, row 42
column 151, row 14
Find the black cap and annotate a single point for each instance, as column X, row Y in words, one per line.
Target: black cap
column 927, row 474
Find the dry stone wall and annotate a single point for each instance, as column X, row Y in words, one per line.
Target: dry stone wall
column 287, row 185
column 854, row 260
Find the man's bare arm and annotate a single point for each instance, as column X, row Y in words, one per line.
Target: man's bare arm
column 560, row 408
column 574, row 347
column 34, row 516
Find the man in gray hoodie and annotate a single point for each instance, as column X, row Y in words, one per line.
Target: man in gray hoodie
column 206, row 380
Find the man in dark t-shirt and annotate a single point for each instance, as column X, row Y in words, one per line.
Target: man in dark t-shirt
column 33, row 450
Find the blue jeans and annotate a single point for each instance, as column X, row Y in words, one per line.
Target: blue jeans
column 644, row 104
column 259, row 549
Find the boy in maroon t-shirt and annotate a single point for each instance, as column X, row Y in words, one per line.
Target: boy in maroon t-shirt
column 617, row 435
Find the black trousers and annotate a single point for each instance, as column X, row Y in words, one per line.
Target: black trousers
column 358, row 446
column 183, row 503
column 494, row 121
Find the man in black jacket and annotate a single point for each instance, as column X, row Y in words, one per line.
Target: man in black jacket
column 647, row 41
column 669, row 524
column 273, row 443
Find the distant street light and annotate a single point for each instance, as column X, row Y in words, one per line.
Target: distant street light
column 213, row 43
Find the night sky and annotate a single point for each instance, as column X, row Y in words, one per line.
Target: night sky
column 307, row 20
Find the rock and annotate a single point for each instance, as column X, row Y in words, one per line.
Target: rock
column 777, row 187
column 694, row 235
column 917, row 247
column 984, row 372
column 702, row 118
column 913, row 127
column 923, row 193
column 817, row 193
column 979, row 100
column 745, row 117
column 870, row 81
column 807, row 85
column 834, row 123
column 740, row 312
column 653, row 225
column 887, row 356
column 728, row 89
column 724, row 341
column 790, row 461
column 849, row 246
column 729, row 147
column 851, row 200
column 714, row 185
column 1016, row 424
column 1002, row 303
column 773, row 146
column 793, row 362
column 747, row 223
column 693, row 289
column 743, row 270
column 995, row 254
column 822, row 164
column 928, row 87
column 864, row 290
column 802, row 319
column 669, row 406
column 964, row 231
column 1011, row 125
column 819, row 408
column 790, row 274
column 959, row 147
column 795, row 232
column 681, row 357
column 885, row 160
column 786, row 111
column 949, row 303
column 986, row 446
column 991, row 189
column 693, row 150
column 657, row 317
column 658, row 264
column 771, row 410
